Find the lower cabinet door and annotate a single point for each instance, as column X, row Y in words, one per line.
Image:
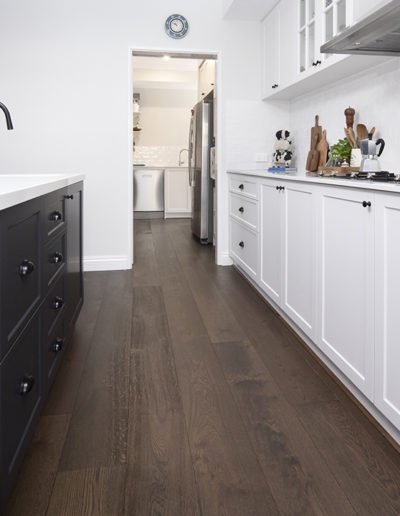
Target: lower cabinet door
column 387, row 303
column 243, row 245
column 178, row 199
column 346, row 289
column 299, row 256
column 271, row 231
column 20, row 396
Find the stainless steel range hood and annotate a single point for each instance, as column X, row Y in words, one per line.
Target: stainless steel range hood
column 377, row 34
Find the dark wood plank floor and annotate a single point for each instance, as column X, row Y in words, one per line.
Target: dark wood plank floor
column 184, row 394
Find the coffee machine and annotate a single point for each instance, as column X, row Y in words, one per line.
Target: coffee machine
column 370, row 161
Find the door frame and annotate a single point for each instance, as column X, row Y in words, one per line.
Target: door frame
column 220, row 257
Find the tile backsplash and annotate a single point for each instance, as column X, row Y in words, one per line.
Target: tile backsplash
column 159, row 156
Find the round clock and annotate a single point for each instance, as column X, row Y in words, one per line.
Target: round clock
column 176, row 26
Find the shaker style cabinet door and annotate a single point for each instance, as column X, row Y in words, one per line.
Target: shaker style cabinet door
column 346, row 283
column 387, row 303
column 270, row 52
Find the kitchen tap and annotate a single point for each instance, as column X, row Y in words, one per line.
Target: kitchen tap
column 181, row 161
column 7, row 115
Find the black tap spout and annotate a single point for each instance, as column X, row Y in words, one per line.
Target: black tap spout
column 7, row 115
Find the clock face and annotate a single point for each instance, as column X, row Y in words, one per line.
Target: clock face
column 176, row 26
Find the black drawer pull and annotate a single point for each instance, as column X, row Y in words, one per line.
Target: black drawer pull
column 56, row 257
column 241, row 209
column 277, row 187
column 366, row 204
column 241, row 244
column 241, row 187
column 55, row 216
column 57, row 303
column 70, row 196
column 57, row 345
column 26, row 384
column 25, row 268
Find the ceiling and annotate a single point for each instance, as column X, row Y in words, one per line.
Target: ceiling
column 247, row 10
column 159, row 63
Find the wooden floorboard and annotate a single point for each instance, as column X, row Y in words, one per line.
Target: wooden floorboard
column 182, row 393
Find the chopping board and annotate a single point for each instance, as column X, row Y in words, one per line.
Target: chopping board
column 322, row 148
column 313, row 155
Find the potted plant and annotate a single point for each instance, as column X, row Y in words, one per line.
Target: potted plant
column 340, row 152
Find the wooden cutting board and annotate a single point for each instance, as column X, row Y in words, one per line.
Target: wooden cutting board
column 322, row 147
column 313, row 155
column 316, row 133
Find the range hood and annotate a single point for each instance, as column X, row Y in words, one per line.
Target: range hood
column 377, row 34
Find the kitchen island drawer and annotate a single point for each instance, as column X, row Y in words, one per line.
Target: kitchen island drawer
column 20, row 263
column 54, row 305
column 53, row 259
column 243, row 209
column 20, row 398
column 54, row 213
column 244, row 186
column 52, row 352
column 243, row 246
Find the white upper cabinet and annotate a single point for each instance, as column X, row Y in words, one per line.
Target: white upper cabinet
column 271, row 51
column 346, row 289
column 387, row 305
column 206, row 78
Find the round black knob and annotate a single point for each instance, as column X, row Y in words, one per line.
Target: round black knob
column 57, row 345
column 282, row 187
column 70, row 196
column 314, row 63
column 57, row 303
column 241, row 244
column 26, row 384
column 318, row 62
column 56, row 216
column 241, row 187
column 25, row 268
column 56, row 257
column 277, row 187
column 241, row 209
column 366, row 204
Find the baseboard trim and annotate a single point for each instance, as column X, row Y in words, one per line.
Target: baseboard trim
column 178, row 215
column 381, row 423
column 224, row 259
column 106, row 263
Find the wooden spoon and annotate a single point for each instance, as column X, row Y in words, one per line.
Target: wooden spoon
column 362, row 132
column 372, row 131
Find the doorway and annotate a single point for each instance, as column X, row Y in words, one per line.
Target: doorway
column 167, row 154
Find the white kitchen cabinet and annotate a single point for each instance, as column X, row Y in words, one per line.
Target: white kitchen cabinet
column 387, row 306
column 177, row 202
column 278, row 47
column 271, row 238
column 206, row 78
column 299, row 263
column 346, row 283
column 243, row 247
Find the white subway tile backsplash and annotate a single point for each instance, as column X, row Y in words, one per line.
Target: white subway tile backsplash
column 159, row 156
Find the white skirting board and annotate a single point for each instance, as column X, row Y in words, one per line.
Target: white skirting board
column 178, row 215
column 393, row 432
column 106, row 263
column 224, row 259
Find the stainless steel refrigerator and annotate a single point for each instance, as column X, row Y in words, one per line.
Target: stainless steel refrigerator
column 200, row 142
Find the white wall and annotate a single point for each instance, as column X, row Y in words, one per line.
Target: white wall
column 374, row 95
column 65, row 75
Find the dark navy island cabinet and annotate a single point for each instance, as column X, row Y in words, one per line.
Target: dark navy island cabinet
column 41, row 293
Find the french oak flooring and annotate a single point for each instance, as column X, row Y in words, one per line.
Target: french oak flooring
column 184, row 394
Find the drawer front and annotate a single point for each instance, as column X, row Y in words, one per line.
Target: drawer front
column 54, row 259
column 243, row 244
column 54, row 213
column 54, row 305
column 245, row 210
column 20, row 396
column 52, row 352
column 244, row 186
column 21, row 284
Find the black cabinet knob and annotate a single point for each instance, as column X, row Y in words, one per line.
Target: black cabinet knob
column 57, row 303
column 282, row 187
column 366, row 204
column 26, row 268
column 314, row 63
column 241, row 244
column 56, row 257
column 241, row 209
column 241, row 187
column 56, row 216
column 26, row 384
column 277, row 187
column 70, row 196
column 318, row 62
column 57, row 345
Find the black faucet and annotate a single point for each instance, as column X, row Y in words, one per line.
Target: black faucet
column 7, row 115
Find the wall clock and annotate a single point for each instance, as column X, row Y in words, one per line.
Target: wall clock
column 176, row 26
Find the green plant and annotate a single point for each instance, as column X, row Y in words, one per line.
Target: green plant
column 341, row 150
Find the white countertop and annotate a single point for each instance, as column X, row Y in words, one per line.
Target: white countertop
column 17, row 188
column 337, row 181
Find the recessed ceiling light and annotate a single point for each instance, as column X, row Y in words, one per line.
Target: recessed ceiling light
column 166, row 58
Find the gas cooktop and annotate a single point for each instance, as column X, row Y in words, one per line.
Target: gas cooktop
column 383, row 176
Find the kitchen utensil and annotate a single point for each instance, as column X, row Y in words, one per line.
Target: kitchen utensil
column 313, row 155
column 370, row 161
column 372, row 131
column 322, row 148
column 362, row 132
column 349, row 113
column 351, row 137
column 316, row 130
